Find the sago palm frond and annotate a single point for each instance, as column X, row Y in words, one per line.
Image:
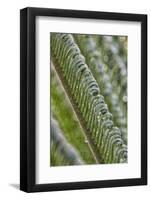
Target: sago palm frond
column 102, row 73
column 104, row 138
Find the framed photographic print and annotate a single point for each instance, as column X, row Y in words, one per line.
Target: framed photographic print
column 83, row 99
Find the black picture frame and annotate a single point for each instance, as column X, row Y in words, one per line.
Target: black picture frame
column 28, row 98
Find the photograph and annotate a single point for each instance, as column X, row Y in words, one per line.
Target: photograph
column 88, row 99
column 83, row 99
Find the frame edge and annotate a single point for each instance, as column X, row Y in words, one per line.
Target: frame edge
column 27, row 183
column 23, row 99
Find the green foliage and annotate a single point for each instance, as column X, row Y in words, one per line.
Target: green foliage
column 89, row 99
column 63, row 112
column 106, row 77
column 62, row 151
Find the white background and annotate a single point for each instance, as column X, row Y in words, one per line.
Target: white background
column 9, row 99
column 47, row 174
